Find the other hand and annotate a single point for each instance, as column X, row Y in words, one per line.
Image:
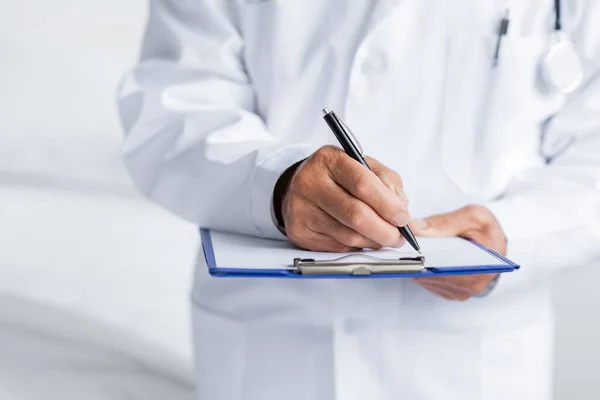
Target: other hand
column 472, row 222
column 332, row 203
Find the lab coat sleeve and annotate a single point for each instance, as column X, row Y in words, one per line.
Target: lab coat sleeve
column 194, row 142
column 551, row 214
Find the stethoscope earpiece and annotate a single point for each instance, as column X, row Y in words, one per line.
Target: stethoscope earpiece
column 561, row 67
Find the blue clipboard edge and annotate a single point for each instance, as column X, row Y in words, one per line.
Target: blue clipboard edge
column 213, row 270
column 495, row 254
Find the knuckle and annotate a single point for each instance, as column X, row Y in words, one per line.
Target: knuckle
column 295, row 208
column 397, row 179
column 471, row 208
column 353, row 240
column 373, row 163
column 361, row 186
column 301, row 182
column 296, row 233
column 357, row 216
column 338, row 161
column 478, row 213
column 388, row 175
column 326, row 152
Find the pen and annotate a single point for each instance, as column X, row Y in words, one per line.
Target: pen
column 352, row 147
column 502, row 31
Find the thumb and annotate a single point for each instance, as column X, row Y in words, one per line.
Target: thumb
column 442, row 225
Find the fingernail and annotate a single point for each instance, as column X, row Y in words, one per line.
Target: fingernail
column 419, row 224
column 401, row 219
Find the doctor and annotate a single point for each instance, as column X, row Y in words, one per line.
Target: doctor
column 487, row 136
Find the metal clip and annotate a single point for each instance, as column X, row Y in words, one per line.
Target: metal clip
column 371, row 266
column 351, row 135
column 353, row 138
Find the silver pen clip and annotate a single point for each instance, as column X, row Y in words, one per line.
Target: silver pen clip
column 353, row 138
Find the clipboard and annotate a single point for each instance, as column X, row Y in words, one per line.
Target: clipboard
column 231, row 255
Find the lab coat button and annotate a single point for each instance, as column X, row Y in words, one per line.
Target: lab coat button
column 374, row 64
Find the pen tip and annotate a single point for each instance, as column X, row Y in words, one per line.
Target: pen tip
column 325, row 111
column 419, row 251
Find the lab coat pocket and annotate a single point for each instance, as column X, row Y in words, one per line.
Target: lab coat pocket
column 493, row 115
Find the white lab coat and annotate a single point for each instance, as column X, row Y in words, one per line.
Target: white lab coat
column 228, row 93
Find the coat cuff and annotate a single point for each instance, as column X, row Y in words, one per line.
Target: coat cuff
column 263, row 182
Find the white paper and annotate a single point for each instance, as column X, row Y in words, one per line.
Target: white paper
column 247, row 252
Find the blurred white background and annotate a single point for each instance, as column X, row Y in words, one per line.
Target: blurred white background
column 94, row 280
column 78, row 243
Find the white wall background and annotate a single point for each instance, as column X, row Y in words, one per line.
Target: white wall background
column 59, row 64
column 74, row 234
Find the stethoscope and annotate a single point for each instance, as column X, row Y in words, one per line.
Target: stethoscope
column 560, row 68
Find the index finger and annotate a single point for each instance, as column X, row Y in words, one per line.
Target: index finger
column 363, row 184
